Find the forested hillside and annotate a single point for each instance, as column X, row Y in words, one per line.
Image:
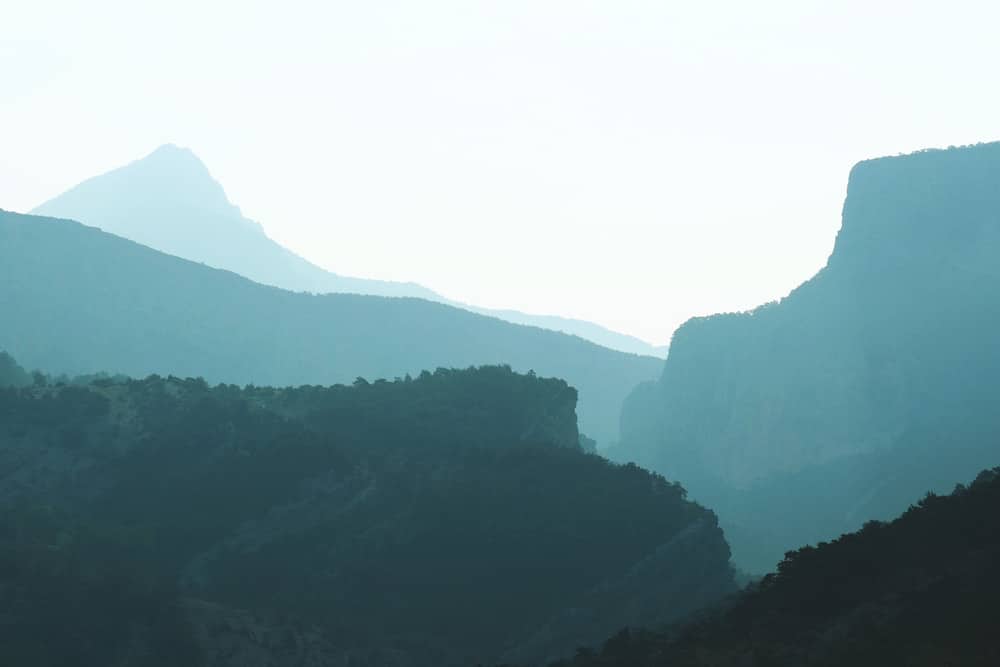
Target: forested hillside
column 447, row 519
column 872, row 382
column 77, row 300
column 11, row 373
column 920, row 591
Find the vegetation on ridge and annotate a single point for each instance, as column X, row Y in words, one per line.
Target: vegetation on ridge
column 447, row 516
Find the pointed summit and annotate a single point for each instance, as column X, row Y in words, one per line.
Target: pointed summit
column 179, row 161
column 169, row 201
column 160, row 200
column 172, row 149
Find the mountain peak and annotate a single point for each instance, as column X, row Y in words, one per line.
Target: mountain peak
column 156, row 200
column 176, row 174
column 169, row 201
column 174, row 153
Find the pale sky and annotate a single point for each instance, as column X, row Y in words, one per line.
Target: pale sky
column 631, row 163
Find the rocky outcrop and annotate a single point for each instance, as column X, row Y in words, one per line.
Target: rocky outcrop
column 888, row 348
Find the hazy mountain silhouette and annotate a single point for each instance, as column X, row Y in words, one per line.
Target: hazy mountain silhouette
column 870, row 383
column 170, row 202
column 595, row 333
column 444, row 520
column 79, row 300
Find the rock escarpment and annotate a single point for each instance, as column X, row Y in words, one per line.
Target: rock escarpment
column 870, row 383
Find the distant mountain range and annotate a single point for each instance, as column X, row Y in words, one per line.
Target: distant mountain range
column 170, row 202
column 79, row 300
column 871, row 383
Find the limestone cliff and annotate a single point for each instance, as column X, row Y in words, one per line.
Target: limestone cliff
column 854, row 386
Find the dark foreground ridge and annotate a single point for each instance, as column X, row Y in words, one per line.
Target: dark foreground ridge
column 446, row 519
column 919, row 591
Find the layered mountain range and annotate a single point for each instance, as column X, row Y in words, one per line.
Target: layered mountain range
column 315, row 493
column 169, row 201
column 79, row 300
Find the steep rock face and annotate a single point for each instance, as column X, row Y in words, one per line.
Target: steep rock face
column 887, row 349
column 78, row 300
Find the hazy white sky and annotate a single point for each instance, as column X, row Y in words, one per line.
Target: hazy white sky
column 632, row 163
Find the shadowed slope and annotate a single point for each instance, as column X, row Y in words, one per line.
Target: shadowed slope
column 438, row 521
column 918, row 591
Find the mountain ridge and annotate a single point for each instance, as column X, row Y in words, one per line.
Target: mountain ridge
column 134, row 310
column 169, row 201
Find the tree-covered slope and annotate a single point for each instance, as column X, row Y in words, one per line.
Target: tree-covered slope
column 11, row 373
column 918, row 591
column 871, row 382
column 442, row 520
column 169, row 201
column 78, row 300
